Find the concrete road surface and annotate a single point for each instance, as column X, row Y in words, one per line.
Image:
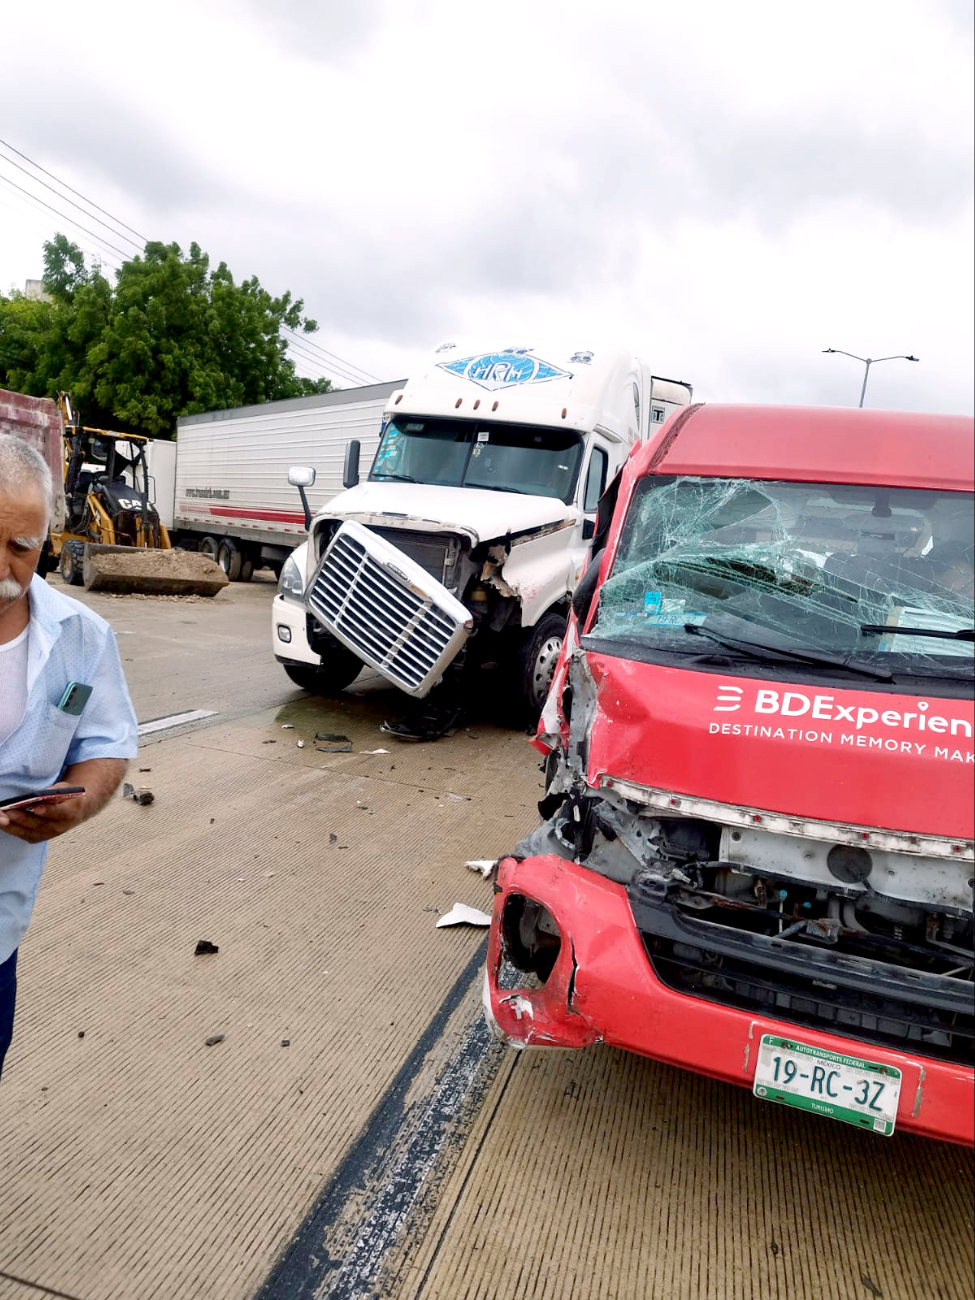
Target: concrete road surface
column 353, row 1133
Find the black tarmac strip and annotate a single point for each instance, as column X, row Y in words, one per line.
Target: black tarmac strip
column 369, row 1197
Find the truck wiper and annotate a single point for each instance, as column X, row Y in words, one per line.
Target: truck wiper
column 493, row 487
column 400, row 478
column 753, row 645
column 880, row 629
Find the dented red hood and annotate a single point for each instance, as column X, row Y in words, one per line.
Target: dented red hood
column 867, row 758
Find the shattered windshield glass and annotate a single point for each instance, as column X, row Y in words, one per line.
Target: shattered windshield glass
column 829, row 569
column 466, row 453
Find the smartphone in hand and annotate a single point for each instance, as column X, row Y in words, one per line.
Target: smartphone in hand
column 50, row 795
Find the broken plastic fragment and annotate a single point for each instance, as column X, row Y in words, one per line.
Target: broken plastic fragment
column 461, row 914
column 141, row 796
column 204, row 948
column 484, row 865
column 214, row 1039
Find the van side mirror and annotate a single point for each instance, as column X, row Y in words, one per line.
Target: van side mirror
column 350, row 472
column 586, row 586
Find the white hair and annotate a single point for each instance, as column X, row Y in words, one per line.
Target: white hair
column 22, row 465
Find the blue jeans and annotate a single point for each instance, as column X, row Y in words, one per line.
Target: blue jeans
column 8, row 994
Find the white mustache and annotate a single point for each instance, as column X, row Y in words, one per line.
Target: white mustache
column 10, row 590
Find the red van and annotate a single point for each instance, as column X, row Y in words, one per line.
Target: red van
column 756, row 860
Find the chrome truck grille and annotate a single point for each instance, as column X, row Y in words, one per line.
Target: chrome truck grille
column 387, row 609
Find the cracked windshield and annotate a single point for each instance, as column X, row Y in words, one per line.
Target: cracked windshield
column 873, row 579
column 499, row 457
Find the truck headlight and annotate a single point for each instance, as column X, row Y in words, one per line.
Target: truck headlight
column 291, row 582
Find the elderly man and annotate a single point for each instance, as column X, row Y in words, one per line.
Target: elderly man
column 49, row 734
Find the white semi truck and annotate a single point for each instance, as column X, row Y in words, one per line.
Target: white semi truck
column 472, row 527
column 221, row 487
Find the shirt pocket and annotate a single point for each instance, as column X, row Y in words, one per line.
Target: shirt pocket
column 47, row 736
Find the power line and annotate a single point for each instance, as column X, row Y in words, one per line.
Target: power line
column 304, row 338
column 37, row 181
column 98, row 256
column 326, row 367
column 66, row 186
column 100, row 238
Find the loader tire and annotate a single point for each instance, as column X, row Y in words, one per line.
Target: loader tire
column 339, row 669
column 72, row 563
column 229, row 558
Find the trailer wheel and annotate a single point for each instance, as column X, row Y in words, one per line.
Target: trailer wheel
column 246, row 569
column 72, row 563
column 209, row 546
column 228, row 557
column 540, row 651
column 340, row 668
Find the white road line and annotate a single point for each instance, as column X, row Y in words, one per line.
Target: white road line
column 174, row 720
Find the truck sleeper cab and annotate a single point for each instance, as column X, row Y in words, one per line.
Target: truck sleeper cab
column 465, row 543
column 756, row 860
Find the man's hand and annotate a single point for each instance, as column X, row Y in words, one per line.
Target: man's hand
column 101, row 777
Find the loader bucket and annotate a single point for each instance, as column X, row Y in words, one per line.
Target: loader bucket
column 133, row 569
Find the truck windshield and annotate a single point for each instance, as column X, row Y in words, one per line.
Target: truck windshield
column 833, row 570
column 465, row 453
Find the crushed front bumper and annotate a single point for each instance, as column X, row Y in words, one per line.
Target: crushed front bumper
column 602, row 988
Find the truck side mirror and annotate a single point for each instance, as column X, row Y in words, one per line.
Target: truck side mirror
column 586, row 586
column 350, row 472
column 588, row 529
column 301, row 477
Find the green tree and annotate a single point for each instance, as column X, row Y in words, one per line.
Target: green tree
column 171, row 337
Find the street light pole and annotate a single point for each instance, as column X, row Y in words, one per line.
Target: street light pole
column 867, row 363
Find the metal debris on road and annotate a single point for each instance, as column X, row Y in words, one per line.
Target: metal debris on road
column 142, row 796
column 461, row 914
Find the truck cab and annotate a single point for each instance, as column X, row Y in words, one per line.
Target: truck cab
column 471, row 528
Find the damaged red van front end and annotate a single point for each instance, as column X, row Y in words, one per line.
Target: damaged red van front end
column 756, row 858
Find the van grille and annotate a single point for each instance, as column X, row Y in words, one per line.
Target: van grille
column 388, row 622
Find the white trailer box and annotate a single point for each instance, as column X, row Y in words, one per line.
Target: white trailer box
column 231, row 495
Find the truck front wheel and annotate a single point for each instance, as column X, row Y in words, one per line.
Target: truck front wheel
column 540, row 651
column 340, row 668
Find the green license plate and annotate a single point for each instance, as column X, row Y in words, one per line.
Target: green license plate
column 827, row 1083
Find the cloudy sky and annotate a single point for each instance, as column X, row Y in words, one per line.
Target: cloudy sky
column 725, row 189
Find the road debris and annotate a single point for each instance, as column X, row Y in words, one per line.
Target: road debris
column 461, row 914
column 301, row 744
column 141, row 796
column 484, row 865
column 333, row 744
column 285, row 1042
column 213, row 1040
column 375, row 751
column 287, row 726
column 204, row 947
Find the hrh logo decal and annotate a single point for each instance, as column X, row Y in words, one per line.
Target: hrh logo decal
column 506, row 369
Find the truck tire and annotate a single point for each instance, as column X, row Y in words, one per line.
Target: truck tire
column 340, row 668
column 540, row 649
column 246, row 569
column 209, row 546
column 229, row 558
column 72, row 563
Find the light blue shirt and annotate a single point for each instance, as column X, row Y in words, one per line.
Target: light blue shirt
column 66, row 643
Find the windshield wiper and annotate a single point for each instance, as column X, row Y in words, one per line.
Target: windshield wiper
column 880, row 629
column 751, row 644
column 492, row 487
column 400, row 478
